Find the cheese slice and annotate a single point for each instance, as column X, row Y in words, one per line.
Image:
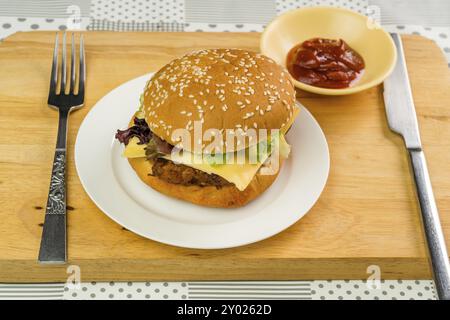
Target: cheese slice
column 239, row 174
column 133, row 149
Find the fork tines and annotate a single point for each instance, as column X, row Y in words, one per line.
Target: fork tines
column 60, row 72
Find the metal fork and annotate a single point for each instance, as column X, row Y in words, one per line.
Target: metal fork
column 54, row 240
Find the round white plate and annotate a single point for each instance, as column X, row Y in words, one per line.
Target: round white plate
column 115, row 188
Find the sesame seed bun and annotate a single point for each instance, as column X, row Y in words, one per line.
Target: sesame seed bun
column 209, row 196
column 222, row 89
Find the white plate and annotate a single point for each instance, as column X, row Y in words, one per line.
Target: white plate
column 115, row 188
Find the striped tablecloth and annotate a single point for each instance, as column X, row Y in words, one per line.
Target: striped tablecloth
column 428, row 18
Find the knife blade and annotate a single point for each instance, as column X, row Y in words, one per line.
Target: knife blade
column 398, row 100
column 402, row 119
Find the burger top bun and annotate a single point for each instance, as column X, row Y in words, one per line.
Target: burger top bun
column 221, row 89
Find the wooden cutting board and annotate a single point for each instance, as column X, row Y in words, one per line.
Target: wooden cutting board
column 367, row 214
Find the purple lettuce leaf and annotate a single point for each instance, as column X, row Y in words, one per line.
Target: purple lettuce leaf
column 139, row 130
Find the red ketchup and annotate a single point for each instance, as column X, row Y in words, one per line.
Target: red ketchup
column 325, row 63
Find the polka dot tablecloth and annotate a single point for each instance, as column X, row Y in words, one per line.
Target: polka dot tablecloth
column 428, row 18
column 128, row 290
column 298, row 290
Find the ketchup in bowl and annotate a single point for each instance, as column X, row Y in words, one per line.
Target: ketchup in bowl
column 325, row 63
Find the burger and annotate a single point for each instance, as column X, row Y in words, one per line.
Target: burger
column 211, row 127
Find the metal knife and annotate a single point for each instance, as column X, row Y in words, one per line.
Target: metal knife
column 401, row 116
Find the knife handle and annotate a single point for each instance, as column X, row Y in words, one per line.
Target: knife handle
column 439, row 259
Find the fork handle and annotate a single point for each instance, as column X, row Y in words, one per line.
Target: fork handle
column 433, row 232
column 53, row 242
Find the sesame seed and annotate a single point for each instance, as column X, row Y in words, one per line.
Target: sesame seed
column 248, row 115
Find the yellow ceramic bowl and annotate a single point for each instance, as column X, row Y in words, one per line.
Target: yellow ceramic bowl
column 373, row 43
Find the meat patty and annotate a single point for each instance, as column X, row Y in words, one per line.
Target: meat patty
column 180, row 174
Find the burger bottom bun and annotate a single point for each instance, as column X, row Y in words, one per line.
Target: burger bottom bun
column 210, row 196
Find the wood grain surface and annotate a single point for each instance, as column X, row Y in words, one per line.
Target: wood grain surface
column 367, row 214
